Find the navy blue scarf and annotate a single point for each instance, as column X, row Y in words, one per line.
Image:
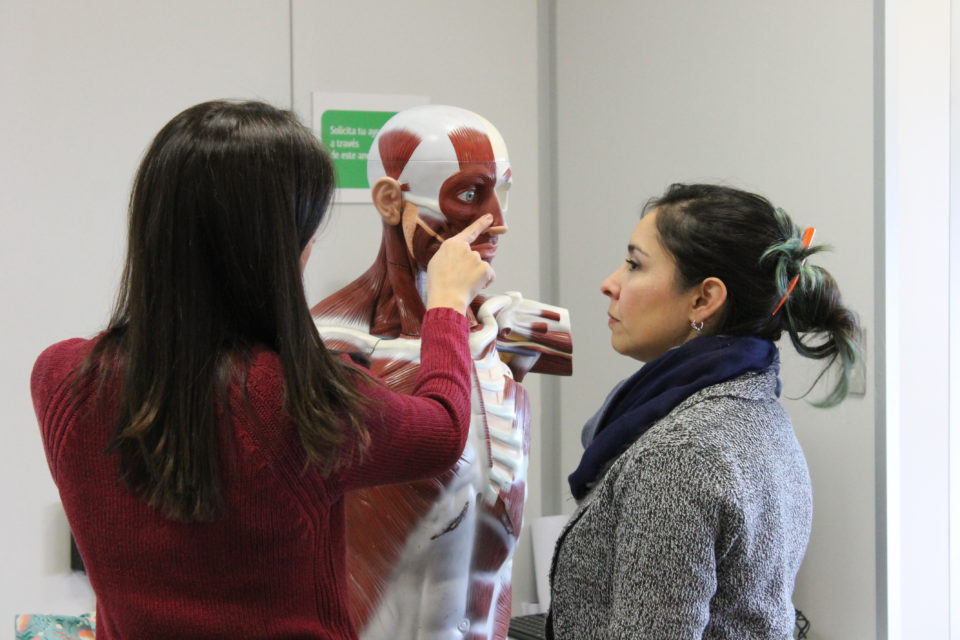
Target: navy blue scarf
column 658, row 387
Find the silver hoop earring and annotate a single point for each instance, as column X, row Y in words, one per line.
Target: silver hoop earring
column 697, row 326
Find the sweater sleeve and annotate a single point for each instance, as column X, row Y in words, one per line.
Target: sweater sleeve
column 668, row 523
column 49, row 382
column 421, row 434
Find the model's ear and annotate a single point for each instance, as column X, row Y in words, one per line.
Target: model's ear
column 388, row 199
column 709, row 298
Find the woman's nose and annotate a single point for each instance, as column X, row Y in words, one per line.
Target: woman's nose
column 609, row 286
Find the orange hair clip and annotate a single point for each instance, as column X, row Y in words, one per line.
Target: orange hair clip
column 807, row 240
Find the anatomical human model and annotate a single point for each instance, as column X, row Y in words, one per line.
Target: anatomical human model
column 433, row 559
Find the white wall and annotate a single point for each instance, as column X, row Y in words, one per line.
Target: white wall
column 918, row 321
column 87, row 85
column 775, row 97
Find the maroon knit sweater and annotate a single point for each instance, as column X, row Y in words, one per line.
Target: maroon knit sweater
column 274, row 566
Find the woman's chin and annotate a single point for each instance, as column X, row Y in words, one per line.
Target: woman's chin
column 619, row 348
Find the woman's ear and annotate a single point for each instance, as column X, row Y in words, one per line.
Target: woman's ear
column 388, row 199
column 710, row 296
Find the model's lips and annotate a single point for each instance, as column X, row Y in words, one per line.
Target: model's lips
column 611, row 320
column 487, row 250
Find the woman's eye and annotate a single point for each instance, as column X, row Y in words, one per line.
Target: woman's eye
column 468, row 196
column 632, row 265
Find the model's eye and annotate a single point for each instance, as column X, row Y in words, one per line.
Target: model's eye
column 632, row 264
column 467, row 196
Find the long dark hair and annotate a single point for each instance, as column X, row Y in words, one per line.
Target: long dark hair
column 225, row 200
column 756, row 250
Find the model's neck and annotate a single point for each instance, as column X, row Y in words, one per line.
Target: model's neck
column 401, row 303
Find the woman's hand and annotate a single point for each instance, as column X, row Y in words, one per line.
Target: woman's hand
column 456, row 273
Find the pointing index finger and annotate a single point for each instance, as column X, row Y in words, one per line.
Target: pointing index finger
column 473, row 232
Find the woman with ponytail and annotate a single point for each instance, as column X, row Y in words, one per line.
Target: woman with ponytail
column 203, row 442
column 694, row 502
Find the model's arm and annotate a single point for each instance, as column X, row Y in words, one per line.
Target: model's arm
column 668, row 523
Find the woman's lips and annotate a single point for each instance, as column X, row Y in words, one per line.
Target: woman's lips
column 611, row 320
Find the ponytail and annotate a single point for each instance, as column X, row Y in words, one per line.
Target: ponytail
column 813, row 308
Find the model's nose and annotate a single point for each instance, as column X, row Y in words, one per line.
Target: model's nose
column 499, row 225
column 503, row 194
column 497, row 211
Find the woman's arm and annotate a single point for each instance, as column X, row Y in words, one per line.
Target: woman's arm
column 421, row 434
column 667, row 525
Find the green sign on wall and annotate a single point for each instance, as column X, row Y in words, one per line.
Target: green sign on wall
column 347, row 135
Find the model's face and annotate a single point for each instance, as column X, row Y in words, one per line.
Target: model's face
column 452, row 167
column 473, row 190
column 648, row 314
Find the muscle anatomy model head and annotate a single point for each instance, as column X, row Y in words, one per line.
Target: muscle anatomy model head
column 435, row 169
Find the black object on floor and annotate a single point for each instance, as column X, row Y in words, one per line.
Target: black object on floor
column 76, row 562
column 803, row 625
column 529, row 627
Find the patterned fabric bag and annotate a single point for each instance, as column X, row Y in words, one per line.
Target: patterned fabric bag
column 30, row 626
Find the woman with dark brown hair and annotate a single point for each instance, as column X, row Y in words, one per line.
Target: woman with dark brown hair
column 203, row 442
column 694, row 501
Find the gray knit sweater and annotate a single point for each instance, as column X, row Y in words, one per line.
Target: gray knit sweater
column 696, row 531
